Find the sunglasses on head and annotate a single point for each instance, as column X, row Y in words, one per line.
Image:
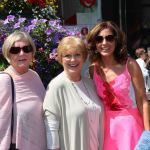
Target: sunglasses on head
column 25, row 49
column 108, row 38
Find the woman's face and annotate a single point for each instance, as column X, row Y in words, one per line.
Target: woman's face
column 72, row 61
column 85, row 32
column 105, row 43
column 22, row 58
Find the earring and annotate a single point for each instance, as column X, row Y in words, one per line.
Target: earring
column 32, row 63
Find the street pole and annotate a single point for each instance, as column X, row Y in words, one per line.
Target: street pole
column 120, row 14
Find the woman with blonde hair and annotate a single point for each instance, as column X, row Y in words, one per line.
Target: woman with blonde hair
column 28, row 125
column 73, row 111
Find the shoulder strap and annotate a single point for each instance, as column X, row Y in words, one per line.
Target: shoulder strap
column 127, row 61
column 13, row 97
column 12, row 85
column 128, row 69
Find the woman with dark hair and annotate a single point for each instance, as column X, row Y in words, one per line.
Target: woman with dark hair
column 141, row 60
column 119, row 83
column 84, row 33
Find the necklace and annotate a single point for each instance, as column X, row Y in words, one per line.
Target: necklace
column 88, row 101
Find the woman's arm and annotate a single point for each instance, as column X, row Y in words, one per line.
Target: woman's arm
column 51, row 117
column 140, row 93
column 52, row 135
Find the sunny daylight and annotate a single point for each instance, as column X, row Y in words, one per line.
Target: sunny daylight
column 74, row 75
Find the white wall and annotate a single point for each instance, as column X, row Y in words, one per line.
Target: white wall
column 88, row 16
column 91, row 15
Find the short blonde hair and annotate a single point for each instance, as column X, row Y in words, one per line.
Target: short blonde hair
column 14, row 37
column 71, row 43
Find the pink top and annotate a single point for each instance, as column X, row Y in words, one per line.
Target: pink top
column 121, row 93
column 5, row 111
column 29, row 130
column 123, row 121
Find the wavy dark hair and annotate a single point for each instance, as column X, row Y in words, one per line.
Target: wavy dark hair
column 120, row 53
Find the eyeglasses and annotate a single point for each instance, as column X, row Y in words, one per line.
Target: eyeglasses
column 69, row 56
column 16, row 50
column 108, row 38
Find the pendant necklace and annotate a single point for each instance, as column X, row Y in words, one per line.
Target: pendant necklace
column 88, row 101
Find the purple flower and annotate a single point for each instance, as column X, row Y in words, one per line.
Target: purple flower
column 21, row 20
column 30, row 27
column 17, row 25
column 43, row 20
column 48, row 39
column 10, row 18
column 34, row 21
column 6, row 21
column 71, row 33
column 57, row 37
column 53, row 23
column 59, row 27
column 54, row 50
column 48, row 31
column 46, row 35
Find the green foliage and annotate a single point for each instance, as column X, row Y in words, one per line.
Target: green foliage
column 25, row 9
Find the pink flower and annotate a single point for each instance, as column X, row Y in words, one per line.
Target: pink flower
column 53, row 55
column 41, row 49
